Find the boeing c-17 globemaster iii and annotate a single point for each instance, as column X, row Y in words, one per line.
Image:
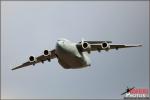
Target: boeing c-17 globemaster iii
column 72, row 55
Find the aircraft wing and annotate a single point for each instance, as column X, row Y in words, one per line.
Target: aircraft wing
column 101, row 45
column 38, row 59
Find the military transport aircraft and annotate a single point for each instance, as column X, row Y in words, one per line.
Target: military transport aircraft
column 72, row 55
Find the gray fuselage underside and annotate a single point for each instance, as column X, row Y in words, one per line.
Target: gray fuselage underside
column 70, row 57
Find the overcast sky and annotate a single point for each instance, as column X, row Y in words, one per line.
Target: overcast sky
column 28, row 28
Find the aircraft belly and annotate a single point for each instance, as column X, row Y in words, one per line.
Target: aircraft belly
column 71, row 62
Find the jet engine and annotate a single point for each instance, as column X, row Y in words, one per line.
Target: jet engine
column 32, row 59
column 86, row 46
column 46, row 53
column 105, row 46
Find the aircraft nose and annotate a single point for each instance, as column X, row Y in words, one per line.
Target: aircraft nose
column 59, row 43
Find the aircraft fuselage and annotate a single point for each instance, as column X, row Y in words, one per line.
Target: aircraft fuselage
column 69, row 56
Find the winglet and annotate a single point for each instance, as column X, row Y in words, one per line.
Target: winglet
column 14, row 68
column 140, row 45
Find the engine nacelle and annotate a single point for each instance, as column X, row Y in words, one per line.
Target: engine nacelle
column 32, row 59
column 86, row 46
column 105, row 46
column 46, row 53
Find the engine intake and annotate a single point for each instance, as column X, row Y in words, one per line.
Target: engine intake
column 105, row 45
column 32, row 59
column 86, row 46
column 46, row 53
